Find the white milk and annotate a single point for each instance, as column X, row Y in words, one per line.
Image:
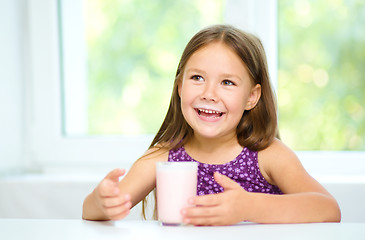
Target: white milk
column 176, row 182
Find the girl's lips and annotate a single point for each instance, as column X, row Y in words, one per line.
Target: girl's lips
column 208, row 114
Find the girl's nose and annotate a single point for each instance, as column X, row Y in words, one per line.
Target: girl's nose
column 209, row 93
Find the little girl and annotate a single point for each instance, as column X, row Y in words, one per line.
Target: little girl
column 222, row 114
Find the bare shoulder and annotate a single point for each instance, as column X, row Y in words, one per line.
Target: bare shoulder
column 281, row 167
column 278, row 159
column 155, row 154
column 151, row 156
column 145, row 165
column 276, row 150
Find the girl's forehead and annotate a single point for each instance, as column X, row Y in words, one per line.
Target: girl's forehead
column 212, row 46
column 215, row 49
column 218, row 54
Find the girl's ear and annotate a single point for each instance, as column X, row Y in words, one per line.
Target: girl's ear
column 254, row 97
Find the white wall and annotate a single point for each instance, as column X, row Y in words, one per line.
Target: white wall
column 35, row 196
column 49, row 196
column 11, row 82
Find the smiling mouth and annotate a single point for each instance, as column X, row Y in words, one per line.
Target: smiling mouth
column 209, row 113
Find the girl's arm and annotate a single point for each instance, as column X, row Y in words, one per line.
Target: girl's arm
column 304, row 199
column 112, row 199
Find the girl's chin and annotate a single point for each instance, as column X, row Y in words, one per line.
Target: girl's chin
column 208, row 134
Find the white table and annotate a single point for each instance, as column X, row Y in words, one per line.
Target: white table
column 29, row 229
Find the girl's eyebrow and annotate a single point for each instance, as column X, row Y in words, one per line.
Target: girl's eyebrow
column 195, row 70
column 224, row 75
column 228, row 75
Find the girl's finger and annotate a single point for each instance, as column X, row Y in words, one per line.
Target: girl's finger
column 202, row 221
column 120, row 215
column 115, row 201
column 108, row 188
column 197, row 212
column 115, row 174
column 225, row 181
column 206, row 200
column 112, row 212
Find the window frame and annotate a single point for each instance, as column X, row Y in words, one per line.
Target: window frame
column 46, row 147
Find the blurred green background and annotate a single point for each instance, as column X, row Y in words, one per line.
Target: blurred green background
column 321, row 80
column 134, row 47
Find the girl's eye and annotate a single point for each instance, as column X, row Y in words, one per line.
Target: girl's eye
column 197, row 78
column 228, row 83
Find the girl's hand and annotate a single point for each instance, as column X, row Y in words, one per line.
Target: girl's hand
column 107, row 194
column 224, row 208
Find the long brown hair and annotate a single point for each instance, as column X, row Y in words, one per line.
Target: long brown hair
column 258, row 126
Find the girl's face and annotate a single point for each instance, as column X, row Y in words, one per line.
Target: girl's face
column 215, row 91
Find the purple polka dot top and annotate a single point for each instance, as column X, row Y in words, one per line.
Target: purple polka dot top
column 244, row 169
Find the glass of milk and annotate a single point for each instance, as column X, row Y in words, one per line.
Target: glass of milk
column 176, row 182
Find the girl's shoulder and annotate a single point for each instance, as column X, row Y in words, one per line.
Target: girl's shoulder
column 148, row 160
column 158, row 153
column 275, row 149
column 275, row 159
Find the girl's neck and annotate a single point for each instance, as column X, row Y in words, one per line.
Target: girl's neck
column 208, row 144
column 213, row 151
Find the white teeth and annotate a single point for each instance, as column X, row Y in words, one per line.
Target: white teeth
column 209, row 111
